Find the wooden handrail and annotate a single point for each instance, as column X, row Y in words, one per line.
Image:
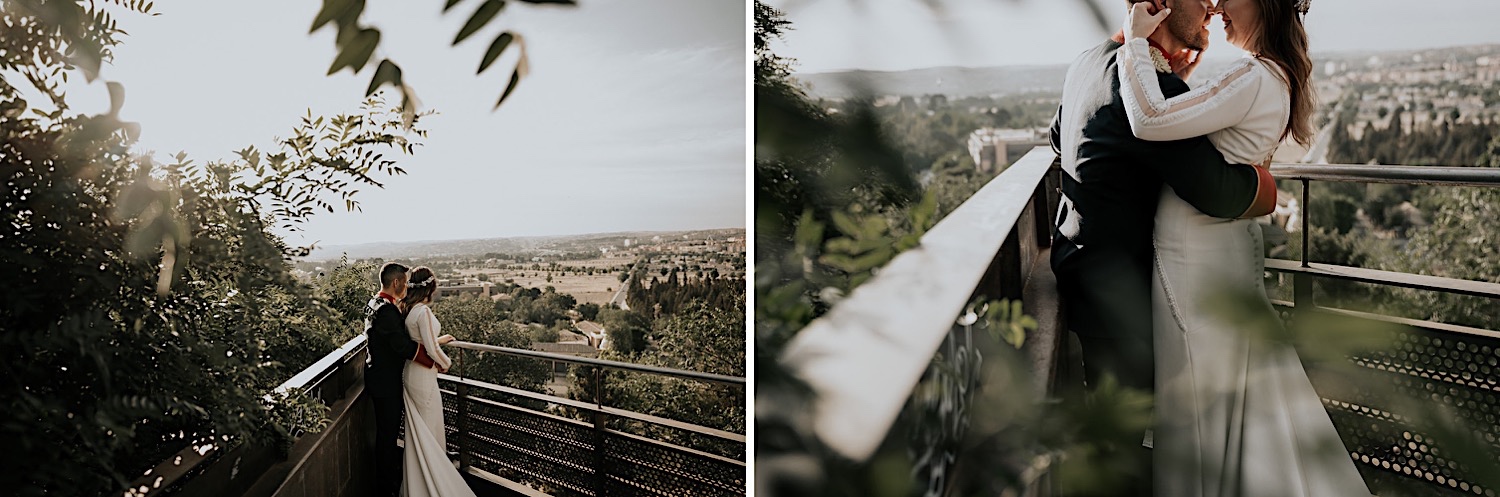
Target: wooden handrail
column 1379, row 173
column 861, row 359
column 623, row 366
column 1388, row 278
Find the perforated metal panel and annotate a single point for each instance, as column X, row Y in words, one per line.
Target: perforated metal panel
column 531, row 448
column 1422, row 366
column 643, row 467
column 558, row 455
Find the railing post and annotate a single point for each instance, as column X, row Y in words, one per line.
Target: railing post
column 1041, row 208
column 601, row 472
column 1302, row 292
column 462, row 434
column 1303, row 222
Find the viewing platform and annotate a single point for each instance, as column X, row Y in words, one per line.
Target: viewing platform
column 878, row 397
column 506, row 441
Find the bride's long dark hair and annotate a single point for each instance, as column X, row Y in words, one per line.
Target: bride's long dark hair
column 422, row 293
column 1283, row 41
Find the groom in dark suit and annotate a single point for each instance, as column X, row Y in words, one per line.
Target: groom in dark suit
column 389, row 348
column 1102, row 251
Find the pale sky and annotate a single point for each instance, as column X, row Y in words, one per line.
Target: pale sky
column 633, row 117
column 893, row 35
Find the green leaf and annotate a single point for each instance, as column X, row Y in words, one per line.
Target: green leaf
column 483, row 16
column 496, row 48
column 449, row 4
column 844, row 223
column 809, row 231
column 922, row 216
column 872, row 227
column 345, row 11
column 515, row 79
column 862, row 263
column 387, row 73
column 844, row 246
column 357, row 51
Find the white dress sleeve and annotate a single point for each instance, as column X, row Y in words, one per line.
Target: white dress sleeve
column 428, row 329
column 1222, row 103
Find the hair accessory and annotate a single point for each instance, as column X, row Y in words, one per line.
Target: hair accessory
column 425, row 282
column 1302, row 6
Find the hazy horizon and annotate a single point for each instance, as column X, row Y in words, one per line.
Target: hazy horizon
column 1315, row 55
column 897, row 35
column 365, row 250
column 507, row 237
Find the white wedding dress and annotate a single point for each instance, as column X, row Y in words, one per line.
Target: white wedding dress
column 1235, row 413
column 429, row 472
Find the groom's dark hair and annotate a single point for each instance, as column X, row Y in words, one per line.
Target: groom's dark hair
column 389, row 272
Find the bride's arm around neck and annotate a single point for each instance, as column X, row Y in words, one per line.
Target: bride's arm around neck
column 1222, row 102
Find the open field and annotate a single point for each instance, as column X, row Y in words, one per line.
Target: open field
column 596, row 289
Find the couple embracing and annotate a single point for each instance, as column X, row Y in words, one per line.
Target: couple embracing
column 405, row 357
column 1160, row 187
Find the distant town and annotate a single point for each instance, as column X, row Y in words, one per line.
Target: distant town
column 1436, row 106
column 565, row 289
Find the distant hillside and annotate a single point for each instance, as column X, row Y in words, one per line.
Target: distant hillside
column 950, row 81
column 512, row 245
column 958, row 82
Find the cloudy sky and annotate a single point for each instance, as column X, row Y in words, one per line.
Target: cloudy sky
column 906, row 34
column 633, row 117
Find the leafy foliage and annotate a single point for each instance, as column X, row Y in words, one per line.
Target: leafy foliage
column 475, row 320
column 346, row 288
column 701, row 337
column 356, row 43
column 626, row 330
column 156, row 305
column 1436, row 230
column 532, row 305
column 677, row 292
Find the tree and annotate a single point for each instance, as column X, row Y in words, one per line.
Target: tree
column 702, row 338
column 189, row 314
column 588, row 311
column 474, row 320
column 542, row 334
column 346, row 288
column 627, row 330
column 156, row 305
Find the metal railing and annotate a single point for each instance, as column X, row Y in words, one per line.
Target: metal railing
column 512, row 446
column 524, row 448
column 996, row 245
column 1427, row 362
column 864, row 359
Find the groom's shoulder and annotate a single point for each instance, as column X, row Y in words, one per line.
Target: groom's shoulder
column 378, row 306
column 1098, row 57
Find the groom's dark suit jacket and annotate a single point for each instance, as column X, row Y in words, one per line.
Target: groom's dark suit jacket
column 390, row 347
column 1111, row 184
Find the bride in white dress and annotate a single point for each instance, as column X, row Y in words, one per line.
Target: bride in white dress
column 429, row 472
column 1235, row 413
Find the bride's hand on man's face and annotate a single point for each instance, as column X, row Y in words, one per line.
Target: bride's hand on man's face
column 1185, row 65
column 1142, row 21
